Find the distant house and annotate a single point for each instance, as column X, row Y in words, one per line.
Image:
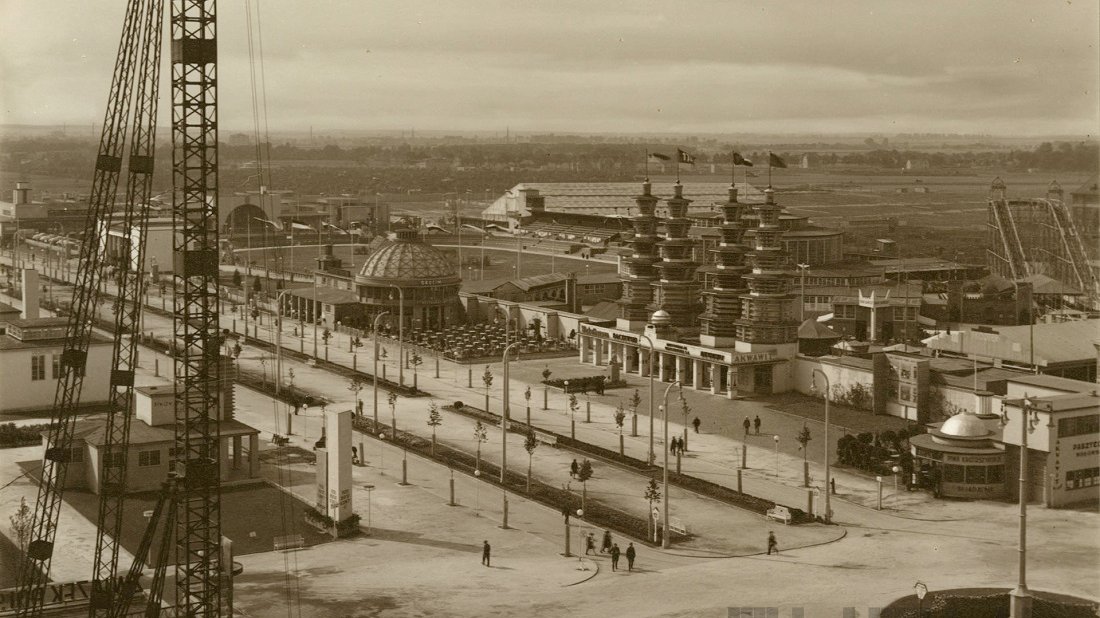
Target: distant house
column 917, row 164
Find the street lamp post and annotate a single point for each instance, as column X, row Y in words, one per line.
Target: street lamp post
column 828, row 484
column 664, row 411
column 776, row 438
column 652, row 355
column 369, row 488
column 504, row 415
column 895, row 470
column 381, row 452
column 802, row 295
column 400, row 333
column 1020, row 597
column 374, row 373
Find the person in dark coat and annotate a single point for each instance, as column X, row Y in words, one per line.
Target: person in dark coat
column 772, row 543
column 485, row 553
column 573, row 467
column 747, row 424
column 630, row 555
column 605, row 546
column 615, row 557
column 756, row 424
column 695, row 423
column 590, row 544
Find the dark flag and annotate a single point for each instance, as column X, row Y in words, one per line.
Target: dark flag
column 775, row 161
column 683, row 157
column 739, row 160
column 659, row 156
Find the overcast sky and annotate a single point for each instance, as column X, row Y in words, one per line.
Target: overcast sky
column 999, row 66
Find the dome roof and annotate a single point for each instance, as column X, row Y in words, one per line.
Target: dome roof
column 964, row 425
column 660, row 316
column 406, row 257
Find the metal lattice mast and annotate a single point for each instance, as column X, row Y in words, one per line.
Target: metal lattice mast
column 130, row 283
column 89, row 276
column 195, row 222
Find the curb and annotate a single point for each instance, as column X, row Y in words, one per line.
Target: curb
column 595, row 572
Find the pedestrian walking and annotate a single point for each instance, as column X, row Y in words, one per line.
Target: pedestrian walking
column 615, row 557
column 756, row 424
column 696, row 424
column 832, row 482
column 573, row 467
column 772, row 544
column 606, row 545
column 630, row 555
column 672, row 444
column 590, row 544
column 747, row 424
column 485, row 553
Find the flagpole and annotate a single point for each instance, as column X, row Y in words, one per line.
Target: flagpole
column 647, row 163
column 769, row 169
column 733, row 170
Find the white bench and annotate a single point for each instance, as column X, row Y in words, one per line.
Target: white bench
column 546, row 438
column 677, row 526
column 779, row 513
column 291, row 541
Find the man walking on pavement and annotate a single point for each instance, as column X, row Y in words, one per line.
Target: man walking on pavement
column 605, row 546
column 747, row 424
column 696, row 424
column 756, row 424
column 485, row 553
column 615, row 557
column 630, row 554
column 590, row 544
column 772, row 544
column 573, row 467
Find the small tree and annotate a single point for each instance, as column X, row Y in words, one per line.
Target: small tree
column 21, row 522
column 620, row 416
column 804, row 438
column 416, row 361
column 530, row 443
column 652, row 494
column 237, row 278
column 392, row 400
column 573, row 405
column 635, row 403
column 527, row 397
column 435, row 419
column 546, row 373
column 583, row 474
column 325, row 336
column 481, row 435
column 356, row 386
column 685, row 409
column 383, row 354
column 257, row 285
column 290, row 377
column 487, row 379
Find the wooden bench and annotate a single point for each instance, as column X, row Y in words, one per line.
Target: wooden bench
column 291, row 541
column 779, row 513
column 677, row 526
column 279, row 440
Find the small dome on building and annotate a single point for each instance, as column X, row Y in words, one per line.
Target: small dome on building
column 660, row 316
column 964, row 425
column 406, row 257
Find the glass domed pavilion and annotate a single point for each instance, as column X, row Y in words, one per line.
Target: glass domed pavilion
column 422, row 273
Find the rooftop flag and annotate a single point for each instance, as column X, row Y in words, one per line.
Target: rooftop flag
column 298, row 225
column 739, row 160
column 274, row 224
column 659, row 156
column 683, row 157
column 775, row 161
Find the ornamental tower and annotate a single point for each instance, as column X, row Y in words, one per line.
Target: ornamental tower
column 723, row 299
column 638, row 273
column 768, row 314
column 676, row 291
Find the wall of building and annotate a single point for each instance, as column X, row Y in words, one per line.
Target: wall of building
column 18, row 392
column 842, row 376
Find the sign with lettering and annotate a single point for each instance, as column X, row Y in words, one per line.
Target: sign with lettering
column 675, row 347
column 58, row 594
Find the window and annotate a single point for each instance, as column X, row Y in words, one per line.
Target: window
column 976, row 475
column 56, row 366
column 953, row 474
column 1080, row 425
column 117, row 460
column 1077, row 479
column 38, row 367
column 149, row 458
column 994, row 474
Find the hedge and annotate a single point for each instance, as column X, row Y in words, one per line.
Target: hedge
column 13, row 436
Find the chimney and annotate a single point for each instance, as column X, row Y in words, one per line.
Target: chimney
column 571, row 293
column 30, row 294
column 21, row 194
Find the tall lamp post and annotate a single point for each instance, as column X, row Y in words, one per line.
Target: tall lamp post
column 374, row 373
column 776, row 438
column 400, row 333
column 1020, row 597
column 652, row 397
column 802, row 296
column 504, row 415
column 828, row 391
column 664, row 411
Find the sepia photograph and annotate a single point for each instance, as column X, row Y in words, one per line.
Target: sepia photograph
column 723, row 309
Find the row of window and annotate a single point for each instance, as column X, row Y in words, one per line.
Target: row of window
column 1078, row 426
column 976, row 475
column 38, row 367
column 117, row 460
column 1077, row 479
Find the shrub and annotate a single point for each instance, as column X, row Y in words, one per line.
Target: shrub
column 457, row 405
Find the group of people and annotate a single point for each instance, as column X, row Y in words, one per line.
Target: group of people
column 610, row 547
column 755, row 424
column 677, row 445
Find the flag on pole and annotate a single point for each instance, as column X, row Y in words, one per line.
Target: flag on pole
column 338, row 229
column 274, row 224
column 659, row 157
column 683, row 157
column 739, row 160
column 298, row 225
column 775, row 161
column 436, row 227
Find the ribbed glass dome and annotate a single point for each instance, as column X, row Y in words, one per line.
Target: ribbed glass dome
column 406, row 257
column 964, row 425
